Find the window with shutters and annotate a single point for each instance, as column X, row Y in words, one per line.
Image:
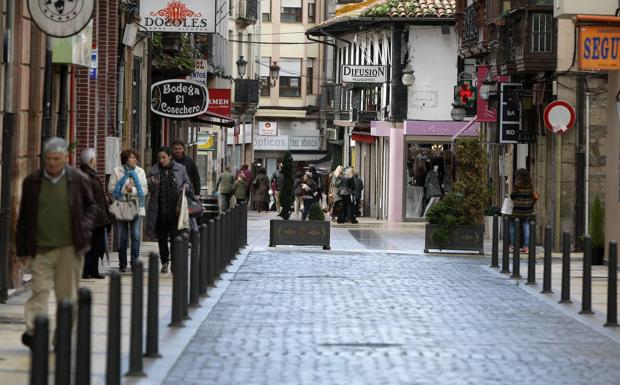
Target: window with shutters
column 290, row 77
column 291, row 11
column 542, row 32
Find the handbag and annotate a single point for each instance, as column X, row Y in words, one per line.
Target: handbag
column 507, row 206
column 183, row 222
column 124, row 210
column 194, row 207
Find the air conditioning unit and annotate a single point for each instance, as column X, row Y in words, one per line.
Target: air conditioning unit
column 332, row 134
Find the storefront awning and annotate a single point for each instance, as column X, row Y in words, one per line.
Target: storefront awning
column 362, row 137
column 442, row 128
column 308, row 156
column 225, row 121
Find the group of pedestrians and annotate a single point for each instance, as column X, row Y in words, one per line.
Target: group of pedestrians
column 237, row 186
column 345, row 194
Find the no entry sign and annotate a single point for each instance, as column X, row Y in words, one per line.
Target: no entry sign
column 559, row 117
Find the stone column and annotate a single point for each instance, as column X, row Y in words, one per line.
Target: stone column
column 396, row 173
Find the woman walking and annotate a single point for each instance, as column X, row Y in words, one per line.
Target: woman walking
column 261, row 188
column 240, row 189
column 167, row 181
column 523, row 207
column 103, row 220
column 128, row 184
column 334, row 186
column 309, row 191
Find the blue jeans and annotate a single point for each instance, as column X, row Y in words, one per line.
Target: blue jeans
column 525, row 232
column 307, row 203
column 123, row 229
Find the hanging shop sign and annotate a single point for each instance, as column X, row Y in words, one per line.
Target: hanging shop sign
column 268, row 128
column 200, row 72
column 178, row 15
column 363, row 74
column 510, row 113
column 219, row 101
column 179, row 98
column 61, row 18
column 559, row 117
column 598, row 48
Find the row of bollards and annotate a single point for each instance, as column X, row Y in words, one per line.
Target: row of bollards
column 586, row 303
column 213, row 248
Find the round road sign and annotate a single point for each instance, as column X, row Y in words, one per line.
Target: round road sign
column 559, row 117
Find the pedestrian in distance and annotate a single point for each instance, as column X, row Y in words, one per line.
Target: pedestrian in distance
column 103, row 220
column 167, row 180
column 224, row 186
column 260, row 186
column 245, row 170
column 358, row 187
column 523, row 200
column 319, row 184
column 277, row 181
column 347, row 214
column 334, row 186
column 240, row 189
column 178, row 148
column 54, row 228
column 298, row 192
column 128, row 184
column 309, row 191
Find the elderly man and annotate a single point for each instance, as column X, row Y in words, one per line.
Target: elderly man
column 54, row 227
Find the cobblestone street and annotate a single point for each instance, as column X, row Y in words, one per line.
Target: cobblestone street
column 311, row 317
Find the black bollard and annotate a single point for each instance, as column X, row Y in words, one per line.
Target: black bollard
column 612, row 286
column 83, row 352
column 211, row 239
column 231, row 237
column 152, row 309
column 245, row 225
column 494, row 248
column 547, row 261
column 235, row 233
column 184, row 273
column 531, row 260
column 223, row 243
column 177, row 284
column 64, row 326
column 516, row 257
column 113, row 360
column 506, row 241
column 217, row 256
column 203, row 262
column 226, row 241
column 194, row 270
column 565, row 295
column 137, row 318
column 39, row 362
column 586, row 288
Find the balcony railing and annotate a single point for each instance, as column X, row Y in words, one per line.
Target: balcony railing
column 248, row 12
column 246, row 91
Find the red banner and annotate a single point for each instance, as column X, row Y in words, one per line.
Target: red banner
column 219, row 101
column 483, row 111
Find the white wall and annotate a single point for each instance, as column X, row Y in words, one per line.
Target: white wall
column 434, row 60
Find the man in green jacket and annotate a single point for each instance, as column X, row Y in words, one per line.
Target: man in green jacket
column 224, row 186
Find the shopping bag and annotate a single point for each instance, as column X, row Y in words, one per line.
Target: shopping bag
column 507, row 206
column 183, row 214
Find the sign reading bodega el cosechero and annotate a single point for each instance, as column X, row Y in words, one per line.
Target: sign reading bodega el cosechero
column 178, row 15
column 61, row 18
column 179, row 98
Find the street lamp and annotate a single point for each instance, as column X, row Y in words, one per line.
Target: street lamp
column 458, row 112
column 408, row 76
column 241, row 65
column 274, row 73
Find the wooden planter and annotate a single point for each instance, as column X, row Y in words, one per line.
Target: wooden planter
column 299, row 233
column 462, row 237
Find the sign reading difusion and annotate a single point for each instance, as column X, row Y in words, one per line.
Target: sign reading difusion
column 179, row 98
column 178, row 15
column 598, row 48
column 363, row 74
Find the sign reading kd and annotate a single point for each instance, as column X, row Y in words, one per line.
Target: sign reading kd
column 179, row 98
column 598, row 48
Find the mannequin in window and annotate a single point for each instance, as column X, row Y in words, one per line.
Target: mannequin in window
column 432, row 188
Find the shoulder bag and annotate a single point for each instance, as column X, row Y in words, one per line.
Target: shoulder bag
column 124, row 210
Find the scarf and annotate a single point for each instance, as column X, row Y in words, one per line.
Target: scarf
column 129, row 173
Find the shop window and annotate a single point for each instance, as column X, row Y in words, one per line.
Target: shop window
column 542, row 32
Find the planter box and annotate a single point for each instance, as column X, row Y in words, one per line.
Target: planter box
column 463, row 237
column 299, row 233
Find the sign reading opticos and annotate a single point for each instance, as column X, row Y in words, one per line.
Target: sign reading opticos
column 179, row 98
column 363, row 74
column 599, row 48
column 178, row 15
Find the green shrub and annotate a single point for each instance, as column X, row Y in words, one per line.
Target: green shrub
column 597, row 223
column 316, row 213
column 287, row 197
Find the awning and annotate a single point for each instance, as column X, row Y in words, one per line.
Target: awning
column 442, row 128
column 362, row 137
column 308, row 156
column 227, row 120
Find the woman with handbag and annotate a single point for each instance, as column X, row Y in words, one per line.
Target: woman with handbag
column 260, row 185
column 128, row 188
column 167, row 181
column 523, row 201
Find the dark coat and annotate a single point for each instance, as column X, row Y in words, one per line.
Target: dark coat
column 359, row 187
column 103, row 217
column 182, row 180
column 261, row 188
column 82, row 207
column 192, row 172
column 240, row 189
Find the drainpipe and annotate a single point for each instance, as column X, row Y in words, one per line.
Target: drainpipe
column 587, row 165
column 120, row 95
column 8, row 133
column 580, row 203
column 62, row 105
column 46, row 133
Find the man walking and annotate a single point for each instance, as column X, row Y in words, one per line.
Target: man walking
column 56, row 217
column 178, row 147
column 277, row 180
column 225, row 187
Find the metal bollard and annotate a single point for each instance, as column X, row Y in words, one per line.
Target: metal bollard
column 231, row 237
column 547, row 261
column 64, row 320
column 531, row 260
column 203, row 262
column 113, row 360
column 516, row 257
column 235, row 232
column 83, row 352
column 494, row 249
column 39, row 362
column 152, row 309
column 612, row 286
column 506, row 240
column 211, row 240
column 184, row 273
column 223, row 243
column 586, row 289
column 177, row 284
column 565, row 295
column 245, row 225
column 217, row 256
column 226, row 242
column 194, row 270
column 137, row 318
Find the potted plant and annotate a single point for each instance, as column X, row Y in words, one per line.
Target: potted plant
column 597, row 231
column 457, row 221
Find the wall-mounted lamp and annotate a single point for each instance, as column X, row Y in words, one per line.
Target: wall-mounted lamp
column 488, row 86
column 241, row 66
column 458, row 112
column 408, row 76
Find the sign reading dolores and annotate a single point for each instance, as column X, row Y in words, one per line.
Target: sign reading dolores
column 363, row 74
column 178, row 15
column 179, row 98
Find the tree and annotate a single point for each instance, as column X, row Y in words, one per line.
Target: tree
column 287, row 196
